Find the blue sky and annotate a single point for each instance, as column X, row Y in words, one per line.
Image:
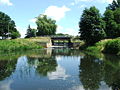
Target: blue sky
column 66, row 12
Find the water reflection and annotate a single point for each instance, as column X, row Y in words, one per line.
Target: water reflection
column 96, row 73
column 112, row 71
column 59, row 69
column 43, row 65
column 7, row 67
column 91, row 72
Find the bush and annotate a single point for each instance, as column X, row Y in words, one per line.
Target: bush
column 112, row 46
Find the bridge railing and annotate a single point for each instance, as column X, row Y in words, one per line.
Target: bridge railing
column 53, row 36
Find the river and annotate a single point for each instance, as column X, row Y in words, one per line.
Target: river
column 59, row 69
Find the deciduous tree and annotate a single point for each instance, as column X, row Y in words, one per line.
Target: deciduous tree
column 91, row 26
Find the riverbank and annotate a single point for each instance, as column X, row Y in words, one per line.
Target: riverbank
column 109, row 46
column 22, row 44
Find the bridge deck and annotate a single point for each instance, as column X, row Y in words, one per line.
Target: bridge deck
column 60, row 38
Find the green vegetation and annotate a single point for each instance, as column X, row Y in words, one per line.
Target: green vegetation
column 94, row 27
column 30, row 32
column 91, row 26
column 111, row 46
column 112, row 19
column 45, row 26
column 98, row 47
column 7, row 27
column 19, row 44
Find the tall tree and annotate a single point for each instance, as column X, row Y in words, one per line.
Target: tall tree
column 30, row 32
column 112, row 19
column 45, row 25
column 7, row 26
column 91, row 26
column 115, row 4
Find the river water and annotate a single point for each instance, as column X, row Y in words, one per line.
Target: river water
column 59, row 69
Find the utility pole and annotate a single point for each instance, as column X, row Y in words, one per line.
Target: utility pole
column 8, row 30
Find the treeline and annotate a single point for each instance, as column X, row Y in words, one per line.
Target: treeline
column 94, row 26
column 45, row 26
column 7, row 27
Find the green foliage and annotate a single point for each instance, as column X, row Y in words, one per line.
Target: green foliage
column 45, row 26
column 31, row 32
column 91, row 26
column 7, row 26
column 112, row 19
column 117, row 15
column 115, row 4
column 18, row 44
column 112, row 46
column 15, row 35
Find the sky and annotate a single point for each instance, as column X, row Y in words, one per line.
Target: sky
column 67, row 13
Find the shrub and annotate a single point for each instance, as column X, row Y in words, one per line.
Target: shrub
column 112, row 46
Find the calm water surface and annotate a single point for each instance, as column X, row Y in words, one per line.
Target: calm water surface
column 59, row 69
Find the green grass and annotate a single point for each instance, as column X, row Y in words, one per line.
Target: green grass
column 110, row 46
column 19, row 44
column 98, row 47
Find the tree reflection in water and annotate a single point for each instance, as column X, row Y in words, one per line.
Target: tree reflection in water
column 7, row 67
column 112, row 71
column 90, row 72
column 43, row 65
column 93, row 71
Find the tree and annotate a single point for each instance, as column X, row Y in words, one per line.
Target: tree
column 45, row 25
column 30, row 32
column 91, row 26
column 7, row 26
column 115, row 4
column 112, row 20
column 15, row 35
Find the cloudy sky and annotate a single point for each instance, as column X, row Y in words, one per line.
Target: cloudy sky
column 66, row 12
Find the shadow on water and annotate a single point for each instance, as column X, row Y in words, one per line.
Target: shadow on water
column 58, row 69
column 95, row 72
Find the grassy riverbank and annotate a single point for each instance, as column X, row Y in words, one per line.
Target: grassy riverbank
column 21, row 44
column 110, row 46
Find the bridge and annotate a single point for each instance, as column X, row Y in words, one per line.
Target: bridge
column 61, row 40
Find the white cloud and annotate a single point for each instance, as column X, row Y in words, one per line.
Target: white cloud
column 33, row 27
column 56, row 13
column 58, row 58
column 69, row 31
column 60, row 73
column 6, row 2
column 78, row 1
column 6, row 85
column 83, row 6
column 22, row 31
column 72, row 4
column 59, row 29
column 80, row 87
column 33, row 20
column 105, row 1
column 100, row 1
